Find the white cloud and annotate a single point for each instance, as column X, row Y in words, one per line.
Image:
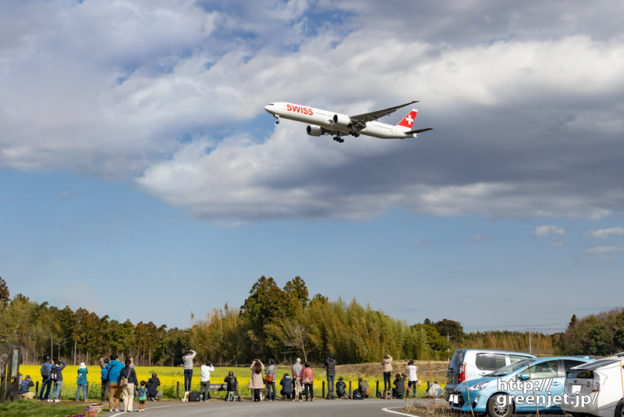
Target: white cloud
column 607, row 253
column 543, row 231
column 606, row 233
column 106, row 91
column 478, row 237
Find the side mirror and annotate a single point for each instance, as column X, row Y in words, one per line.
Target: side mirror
column 524, row 377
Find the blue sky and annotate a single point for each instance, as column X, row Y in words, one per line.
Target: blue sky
column 141, row 178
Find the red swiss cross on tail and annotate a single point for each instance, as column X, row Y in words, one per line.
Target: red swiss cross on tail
column 408, row 121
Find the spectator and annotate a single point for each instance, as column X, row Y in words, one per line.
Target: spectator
column 152, row 388
column 270, row 373
column 412, row 378
column 297, row 369
column 104, row 377
column 307, row 377
column 188, row 369
column 363, row 390
column 142, row 396
column 330, row 370
column 56, row 375
column 387, row 372
column 82, row 382
column 128, row 373
column 287, row 387
column 255, row 383
column 434, row 390
column 231, row 386
column 24, row 391
column 205, row 371
column 399, row 387
column 46, row 382
column 114, row 368
column 341, row 388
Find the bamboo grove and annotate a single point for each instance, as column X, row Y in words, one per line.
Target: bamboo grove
column 281, row 323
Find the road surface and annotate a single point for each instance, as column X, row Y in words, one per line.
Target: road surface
column 321, row 408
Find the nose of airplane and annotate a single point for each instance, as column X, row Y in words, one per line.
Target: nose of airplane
column 269, row 107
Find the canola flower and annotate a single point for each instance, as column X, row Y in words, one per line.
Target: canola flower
column 170, row 376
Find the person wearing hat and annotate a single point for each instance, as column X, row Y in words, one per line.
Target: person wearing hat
column 287, row 387
column 82, row 382
column 24, row 391
column 341, row 388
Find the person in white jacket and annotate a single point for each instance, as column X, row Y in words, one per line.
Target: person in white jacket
column 412, row 378
column 205, row 369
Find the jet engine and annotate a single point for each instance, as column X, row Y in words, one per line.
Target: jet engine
column 342, row 120
column 314, row 130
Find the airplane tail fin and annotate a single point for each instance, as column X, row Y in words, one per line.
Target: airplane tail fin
column 408, row 121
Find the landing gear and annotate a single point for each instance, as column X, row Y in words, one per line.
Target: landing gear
column 338, row 139
column 276, row 119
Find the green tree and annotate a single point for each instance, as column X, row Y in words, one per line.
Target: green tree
column 5, row 296
column 296, row 293
column 451, row 328
column 265, row 303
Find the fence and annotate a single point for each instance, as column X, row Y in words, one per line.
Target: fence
column 9, row 374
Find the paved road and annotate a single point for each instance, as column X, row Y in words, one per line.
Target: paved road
column 322, row 408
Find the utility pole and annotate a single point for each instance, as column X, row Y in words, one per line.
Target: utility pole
column 530, row 348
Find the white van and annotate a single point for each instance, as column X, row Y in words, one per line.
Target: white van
column 595, row 388
column 467, row 364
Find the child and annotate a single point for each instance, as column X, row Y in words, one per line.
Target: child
column 82, row 382
column 142, row 394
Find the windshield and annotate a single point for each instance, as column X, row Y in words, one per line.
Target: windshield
column 510, row 369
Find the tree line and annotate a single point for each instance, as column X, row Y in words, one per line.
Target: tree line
column 281, row 323
column 82, row 336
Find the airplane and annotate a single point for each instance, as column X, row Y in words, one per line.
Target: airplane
column 338, row 125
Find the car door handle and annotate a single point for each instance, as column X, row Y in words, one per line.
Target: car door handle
column 556, row 383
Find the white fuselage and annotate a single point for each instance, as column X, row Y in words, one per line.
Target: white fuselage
column 325, row 119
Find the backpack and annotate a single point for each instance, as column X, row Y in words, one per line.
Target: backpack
column 45, row 370
column 104, row 374
column 194, row 396
column 53, row 375
column 142, row 394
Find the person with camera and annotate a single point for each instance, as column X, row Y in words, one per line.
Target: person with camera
column 205, row 371
column 256, row 384
column 187, row 361
column 269, row 379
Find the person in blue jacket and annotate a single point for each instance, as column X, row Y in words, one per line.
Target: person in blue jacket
column 114, row 376
column 82, row 382
column 56, row 375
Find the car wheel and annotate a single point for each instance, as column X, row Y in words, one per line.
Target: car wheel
column 500, row 405
column 619, row 409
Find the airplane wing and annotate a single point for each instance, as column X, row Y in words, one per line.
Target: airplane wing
column 361, row 119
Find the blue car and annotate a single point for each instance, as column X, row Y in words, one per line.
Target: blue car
column 522, row 387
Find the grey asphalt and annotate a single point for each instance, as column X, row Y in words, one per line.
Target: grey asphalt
column 319, row 408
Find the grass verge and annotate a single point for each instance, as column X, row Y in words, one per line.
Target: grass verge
column 34, row 408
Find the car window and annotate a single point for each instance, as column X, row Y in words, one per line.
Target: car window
column 546, row 369
column 490, row 361
column 568, row 363
column 458, row 358
column 518, row 358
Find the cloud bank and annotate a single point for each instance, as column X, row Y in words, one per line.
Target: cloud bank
column 526, row 104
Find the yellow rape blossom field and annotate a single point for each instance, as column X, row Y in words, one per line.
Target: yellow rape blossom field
column 170, row 376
